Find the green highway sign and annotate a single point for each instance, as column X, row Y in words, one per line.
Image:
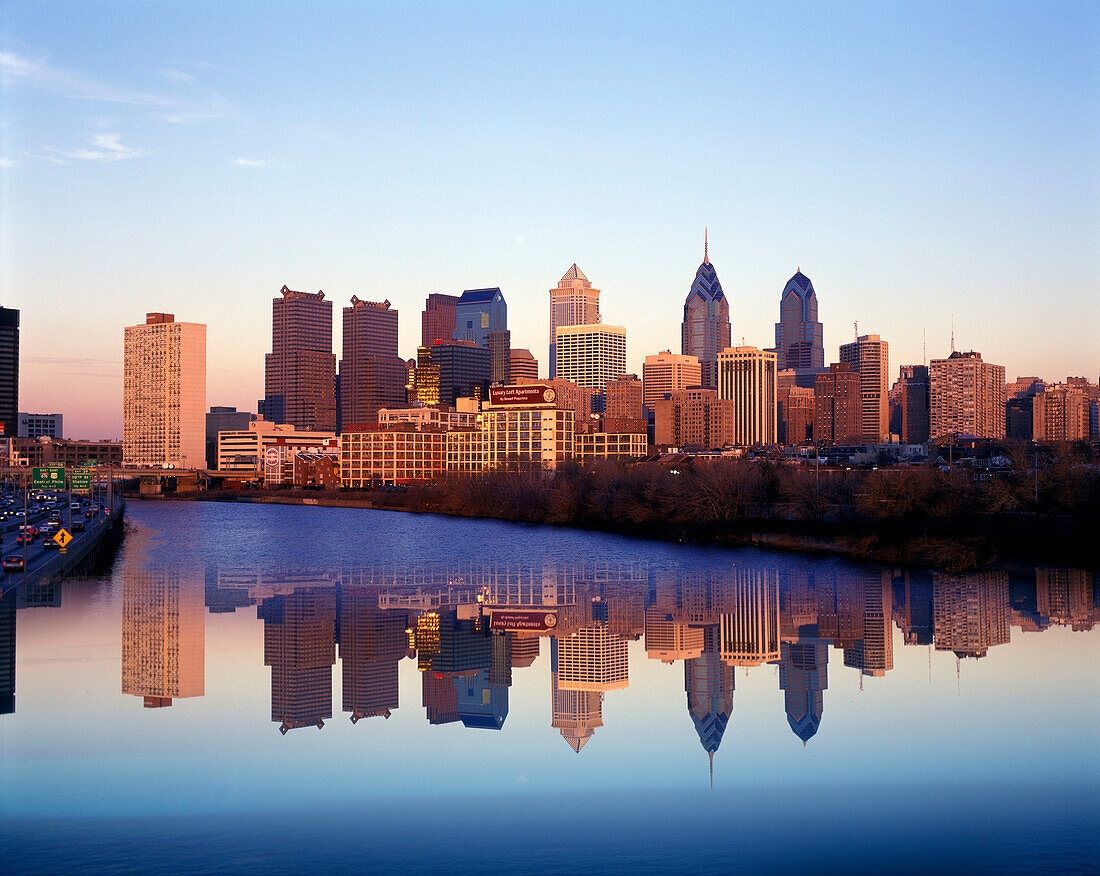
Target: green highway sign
column 80, row 479
column 48, row 477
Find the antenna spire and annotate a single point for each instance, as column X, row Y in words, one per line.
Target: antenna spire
column 711, row 768
column 706, row 247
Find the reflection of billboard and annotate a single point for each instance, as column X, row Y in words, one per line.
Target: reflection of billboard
column 531, row 619
column 526, row 394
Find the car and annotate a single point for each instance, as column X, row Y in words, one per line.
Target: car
column 78, row 526
column 13, row 564
column 89, row 513
column 50, row 545
column 24, row 538
column 74, row 506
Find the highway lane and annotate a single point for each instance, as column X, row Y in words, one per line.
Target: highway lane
column 37, row 556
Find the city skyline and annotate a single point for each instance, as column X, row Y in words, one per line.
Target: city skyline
column 952, row 184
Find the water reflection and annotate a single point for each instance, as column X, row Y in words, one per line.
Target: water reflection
column 472, row 630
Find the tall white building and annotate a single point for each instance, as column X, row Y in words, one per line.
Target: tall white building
column 591, row 355
column 747, row 376
column 164, row 393
column 573, row 302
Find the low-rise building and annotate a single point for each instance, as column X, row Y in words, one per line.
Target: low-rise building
column 270, row 448
column 316, row 470
column 401, row 453
column 64, row 451
column 610, row 445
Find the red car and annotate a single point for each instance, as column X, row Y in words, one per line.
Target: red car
column 25, row 538
column 13, row 564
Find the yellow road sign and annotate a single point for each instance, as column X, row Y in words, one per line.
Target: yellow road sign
column 62, row 538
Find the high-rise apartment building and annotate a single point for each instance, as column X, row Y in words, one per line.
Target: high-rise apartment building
column 573, row 302
column 706, row 328
column 625, row 398
column 838, row 408
column 9, row 372
column 910, row 417
column 522, row 365
column 798, row 335
column 667, row 372
column 372, row 375
column 747, row 377
column 437, row 322
column 968, row 397
column 164, row 393
column 1061, row 413
column 1019, row 407
column 693, row 418
column 478, row 312
column 591, row 355
column 300, row 370
column 869, row 357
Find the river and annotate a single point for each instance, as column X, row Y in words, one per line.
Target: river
column 275, row 688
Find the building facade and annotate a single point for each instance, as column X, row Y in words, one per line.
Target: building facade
column 1061, row 413
column 522, row 365
column 967, row 397
column 478, row 312
column 398, row 453
column 573, row 302
column 372, row 375
column 705, row 331
column 40, row 426
column 795, row 415
column 164, row 393
column 798, row 334
column 464, row 370
column 34, row 452
column 625, row 398
column 693, row 418
column 590, row 356
column 221, row 418
column 667, row 372
column 869, row 357
column 747, row 377
column 300, row 370
column 500, row 356
column 437, row 322
column 269, row 448
column 912, row 394
column 9, row 372
column 838, row 406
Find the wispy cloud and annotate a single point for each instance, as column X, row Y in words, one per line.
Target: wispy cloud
column 7, row 162
column 252, row 162
column 107, row 148
column 70, row 360
column 178, row 109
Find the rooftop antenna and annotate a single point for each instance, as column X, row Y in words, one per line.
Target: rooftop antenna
column 924, row 344
column 952, row 333
column 855, row 327
column 706, row 247
column 711, row 769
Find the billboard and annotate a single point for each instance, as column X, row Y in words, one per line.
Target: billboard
column 526, row 394
column 532, row 619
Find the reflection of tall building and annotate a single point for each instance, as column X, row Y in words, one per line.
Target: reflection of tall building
column 709, row 685
column 446, row 643
column 479, row 702
column 372, row 643
column 525, row 650
column 750, row 619
column 971, row 613
column 803, row 675
column 576, row 713
column 300, row 648
column 592, row 658
column 163, row 637
column 439, row 695
column 7, row 653
column 875, row 653
column 1065, row 596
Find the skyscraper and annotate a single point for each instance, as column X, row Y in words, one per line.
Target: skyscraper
column 478, row 312
column 667, row 372
column 372, row 375
column 437, row 322
column 624, row 398
column 300, row 370
column 798, row 336
column 912, row 400
column 747, row 377
column 869, row 357
column 968, row 397
column 591, row 355
column 706, row 327
column 500, row 356
column 9, row 372
column 164, row 393
column 522, row 365
column 573, row 302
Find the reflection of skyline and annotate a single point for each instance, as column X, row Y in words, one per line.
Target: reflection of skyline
column 163, row 637
column 300, row 648
column 709, row 683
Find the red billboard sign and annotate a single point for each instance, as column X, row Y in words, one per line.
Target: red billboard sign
column 524, row 394
column 533, row 619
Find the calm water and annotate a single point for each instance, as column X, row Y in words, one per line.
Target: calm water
column 274, row 689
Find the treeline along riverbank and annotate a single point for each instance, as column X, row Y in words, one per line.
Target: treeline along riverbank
column 956, row 520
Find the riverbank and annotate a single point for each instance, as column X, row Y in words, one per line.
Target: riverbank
column 922, row 518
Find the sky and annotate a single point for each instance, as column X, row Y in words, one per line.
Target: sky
column 927, row 165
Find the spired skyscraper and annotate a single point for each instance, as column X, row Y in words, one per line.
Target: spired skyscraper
column 573, row 302
column 798, row 341
column 706, row 328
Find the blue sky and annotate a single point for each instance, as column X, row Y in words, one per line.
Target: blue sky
column 921, row 163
